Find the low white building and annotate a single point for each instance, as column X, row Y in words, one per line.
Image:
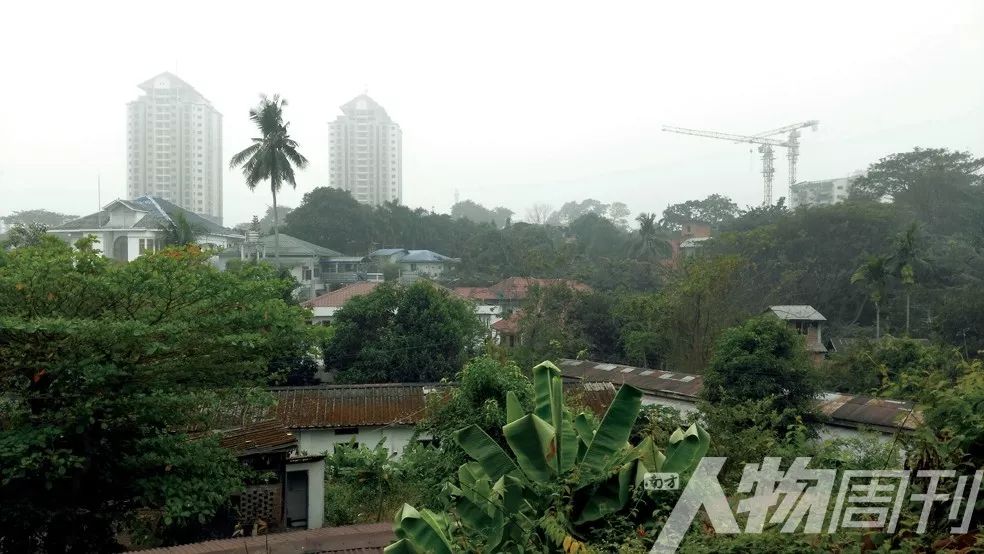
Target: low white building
column 328, row 416
column 125, row 229
column 322, row 417
column 820, row 193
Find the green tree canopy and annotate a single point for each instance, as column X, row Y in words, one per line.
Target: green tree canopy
column 395, row 334
column 762, row 359
column 939, row 186
column 473, row 211
column 714, row 210
column 109, row 383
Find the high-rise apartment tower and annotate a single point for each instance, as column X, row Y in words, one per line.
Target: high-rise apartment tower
column 174, row 147
column 366, row 153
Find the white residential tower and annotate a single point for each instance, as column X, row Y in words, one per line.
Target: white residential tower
column 366, row 153
column 174, row 147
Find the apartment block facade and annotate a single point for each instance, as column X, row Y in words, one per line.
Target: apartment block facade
column 174, row 147
column 820, row 193
column 366, row 153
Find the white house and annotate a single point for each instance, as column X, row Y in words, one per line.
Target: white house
column 328, row 415
column 124, row 229
column 414, row 264
column 311, row 265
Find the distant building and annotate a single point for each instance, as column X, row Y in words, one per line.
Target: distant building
column 414, row 264
column 510, row 293
column 366, row 153
column 325, row 307
column 820, row 193
column 125, row 229
column 315, row 268
column 174, row 147
column 807, row 321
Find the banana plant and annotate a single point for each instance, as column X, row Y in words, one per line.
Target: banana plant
column 564, row 472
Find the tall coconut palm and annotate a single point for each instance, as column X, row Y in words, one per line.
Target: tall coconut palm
column 905, row 258
column 873, row 275
column 272, row 156
column 651, row 244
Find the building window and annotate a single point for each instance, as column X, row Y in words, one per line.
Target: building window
column 147, row 245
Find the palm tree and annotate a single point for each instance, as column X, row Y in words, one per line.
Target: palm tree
column 272, row 156
column 651, row 244
column 906, row 255
column 873, row 274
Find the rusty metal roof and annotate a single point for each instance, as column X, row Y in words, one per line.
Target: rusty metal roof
column 665, row 383
column 332, row 406
column 260, row 437
column 364, row 538
column 328, row 406
column 844, row 410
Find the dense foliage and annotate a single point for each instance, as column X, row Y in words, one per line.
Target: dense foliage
column 110, row 375
column 560, row 479
column 401, row 334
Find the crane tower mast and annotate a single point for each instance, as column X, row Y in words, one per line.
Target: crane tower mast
column 766, row 147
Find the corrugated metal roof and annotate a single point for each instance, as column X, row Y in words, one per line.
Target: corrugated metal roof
column 669, row 383
column 796, row 313
column 332, row 406
column 844, row 410
column 268, row 435
column 354, row 539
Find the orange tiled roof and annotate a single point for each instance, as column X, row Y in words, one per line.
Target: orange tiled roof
column 338, row 298
column 515, row 288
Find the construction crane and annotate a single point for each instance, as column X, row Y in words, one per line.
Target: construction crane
column 793, row 145
column 766, row 147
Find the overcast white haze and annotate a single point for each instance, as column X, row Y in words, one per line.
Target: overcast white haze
column 509, row 103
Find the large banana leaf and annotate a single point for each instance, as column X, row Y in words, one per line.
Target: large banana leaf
column 532, row 441
column 424, row 529
column 514, row 410
column 610, row 497
column 613, row 433
column 543, row 375
column 650, row 456
column 686, row 448
column 483, row 449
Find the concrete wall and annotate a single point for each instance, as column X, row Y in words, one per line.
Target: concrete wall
column 321, row 441
column 316, row 490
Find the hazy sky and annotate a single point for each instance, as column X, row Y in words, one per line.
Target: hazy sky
column 509, row 103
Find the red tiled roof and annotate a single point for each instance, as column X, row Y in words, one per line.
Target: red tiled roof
column 268, row 435
column 474, row 293
column 509, row 325
column 338, row 298
column 515, row 288
column 354, row 539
